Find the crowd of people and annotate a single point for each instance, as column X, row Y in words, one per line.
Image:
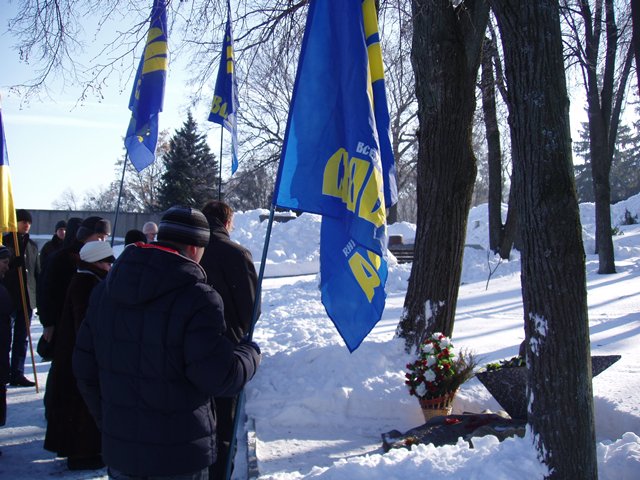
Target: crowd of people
column 148, row 351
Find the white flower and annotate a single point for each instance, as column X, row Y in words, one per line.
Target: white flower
column 445, row 342
column 421, row 390
column 429, row 376
column 436, row 336
column 427, row 348
column 431, row 361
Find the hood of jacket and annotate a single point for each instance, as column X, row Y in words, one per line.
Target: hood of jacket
column 145, row 272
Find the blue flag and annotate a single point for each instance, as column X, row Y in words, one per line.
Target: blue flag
column 148, row 92
column 225, row 96
column 7, row 210
column 337, row 159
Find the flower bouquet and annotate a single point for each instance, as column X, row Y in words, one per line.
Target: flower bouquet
column 435, row 376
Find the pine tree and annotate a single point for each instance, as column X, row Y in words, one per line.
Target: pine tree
column 582, row 171
column 625, row 168
column 191, row 175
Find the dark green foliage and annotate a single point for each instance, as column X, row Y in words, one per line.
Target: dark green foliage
column 625, row 168
column 516, row 361
column 191, row 175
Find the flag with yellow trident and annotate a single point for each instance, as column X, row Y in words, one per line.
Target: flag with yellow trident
column 225, row 96
column 148, row 92
column 337, row 159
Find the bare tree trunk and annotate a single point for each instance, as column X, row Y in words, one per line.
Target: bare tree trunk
column 604, row 100
column 635, row 16
column 494, row 154
column 553, row 268
column 510, row 235
column 446, row 50
column 392, row 216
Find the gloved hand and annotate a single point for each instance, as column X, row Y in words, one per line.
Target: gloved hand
column 246, row 341
column 16, row 262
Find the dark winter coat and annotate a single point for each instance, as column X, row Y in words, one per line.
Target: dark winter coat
column 30, row 265
column 6, row 307
column 71, row 431
column 149, row 356
column 49, row 248
column 52, row 288
column 230, row 270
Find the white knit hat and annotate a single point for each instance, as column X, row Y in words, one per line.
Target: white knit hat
column 96, row 251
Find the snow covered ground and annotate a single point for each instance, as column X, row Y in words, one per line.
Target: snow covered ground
column 319, row 412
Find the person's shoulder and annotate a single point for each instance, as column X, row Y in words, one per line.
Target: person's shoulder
column 7, row 240
column 241, row 251
column 234, row 247
column 203, row 295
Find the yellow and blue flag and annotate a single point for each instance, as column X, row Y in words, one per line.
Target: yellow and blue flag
column 7, row 210
column 148, row 92
column 337, row 159
column 225, row 95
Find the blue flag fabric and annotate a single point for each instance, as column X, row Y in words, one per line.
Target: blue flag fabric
column 7, row 210
column 148, row 92
column 331, row 161
column 225, row 96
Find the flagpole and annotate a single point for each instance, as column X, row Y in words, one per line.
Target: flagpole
column 254, row 319
column 220, row 166
column 115, row 220
column 27, row 319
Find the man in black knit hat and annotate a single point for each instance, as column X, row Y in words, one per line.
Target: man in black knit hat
column 55, row 244
column 152, row 352
column 26, row 264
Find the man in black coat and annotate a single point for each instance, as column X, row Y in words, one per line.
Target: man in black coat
column 6, row 308
column 230, row 270
column 61, row 267
column 152, row 352
column 26, row 264
column 55, row 244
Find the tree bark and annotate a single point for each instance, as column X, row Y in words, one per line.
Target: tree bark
column 510, row 231
column 445, row 55
column 599, row 122
column 494, row 154
column 635, row 17
column 603, row 104
column 553, row 262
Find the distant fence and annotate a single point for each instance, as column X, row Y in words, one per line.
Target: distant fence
column 44, row 221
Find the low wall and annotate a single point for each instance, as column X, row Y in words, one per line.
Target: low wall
column 44, row 221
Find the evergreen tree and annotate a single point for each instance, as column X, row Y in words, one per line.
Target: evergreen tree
column 625, row 168
column 625, row 171
column 191, row 170
column 582, row 172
